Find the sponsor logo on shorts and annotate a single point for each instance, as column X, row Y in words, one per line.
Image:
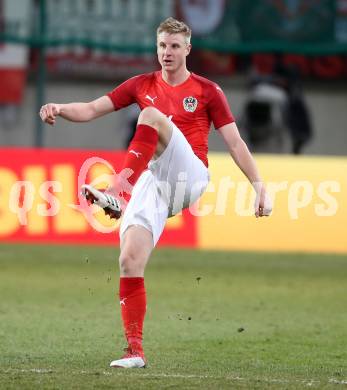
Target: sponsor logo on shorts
column 190, row 103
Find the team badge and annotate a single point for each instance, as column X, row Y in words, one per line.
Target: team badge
column 190, row 103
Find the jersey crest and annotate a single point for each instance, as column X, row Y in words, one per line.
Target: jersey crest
column 190, row 103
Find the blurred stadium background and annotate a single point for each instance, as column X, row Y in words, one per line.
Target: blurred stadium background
column 283, row 67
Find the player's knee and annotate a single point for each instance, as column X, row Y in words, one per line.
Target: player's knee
column 129, row 263
column 151, row 116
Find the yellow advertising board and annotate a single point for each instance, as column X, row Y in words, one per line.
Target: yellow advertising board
column 40, row 203
column 310, row 206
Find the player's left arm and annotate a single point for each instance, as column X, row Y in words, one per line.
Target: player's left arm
column 245, row 161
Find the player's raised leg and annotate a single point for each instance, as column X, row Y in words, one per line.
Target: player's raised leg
column 136, row 247
column 153, row 133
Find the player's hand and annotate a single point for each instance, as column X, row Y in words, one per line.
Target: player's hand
column 49, row 112
column 263, row 204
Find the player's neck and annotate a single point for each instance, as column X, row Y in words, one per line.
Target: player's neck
column 175, row 78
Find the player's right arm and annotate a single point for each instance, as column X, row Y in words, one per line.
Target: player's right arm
column 76, row 112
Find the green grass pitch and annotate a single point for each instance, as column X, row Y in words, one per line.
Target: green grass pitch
column 215, row 320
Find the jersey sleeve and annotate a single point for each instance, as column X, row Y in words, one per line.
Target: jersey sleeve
column 218, row 108
column 124, row 94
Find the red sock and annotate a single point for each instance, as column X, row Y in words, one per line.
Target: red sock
column 140, row 151
column 132, row 295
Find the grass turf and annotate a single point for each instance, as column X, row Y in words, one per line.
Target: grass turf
column 215, row 320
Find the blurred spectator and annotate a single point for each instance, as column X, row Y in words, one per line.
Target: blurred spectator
column 275, row 110
column 298, row 117
column 263, row 118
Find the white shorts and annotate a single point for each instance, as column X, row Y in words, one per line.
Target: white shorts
column 174, row 181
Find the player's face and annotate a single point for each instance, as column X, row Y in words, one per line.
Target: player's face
column 172, row 51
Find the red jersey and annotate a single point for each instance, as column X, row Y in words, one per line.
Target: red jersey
column 192, row 105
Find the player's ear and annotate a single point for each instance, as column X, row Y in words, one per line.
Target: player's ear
column 188, row 48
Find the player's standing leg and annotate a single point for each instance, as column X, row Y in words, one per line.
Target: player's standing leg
column 136, row 247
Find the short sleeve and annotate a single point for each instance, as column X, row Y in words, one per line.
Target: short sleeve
column 125, row 94
column 218, row 108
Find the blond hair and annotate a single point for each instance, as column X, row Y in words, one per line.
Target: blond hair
column 174, row 26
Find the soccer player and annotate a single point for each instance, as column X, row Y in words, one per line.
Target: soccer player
column 171, row 140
